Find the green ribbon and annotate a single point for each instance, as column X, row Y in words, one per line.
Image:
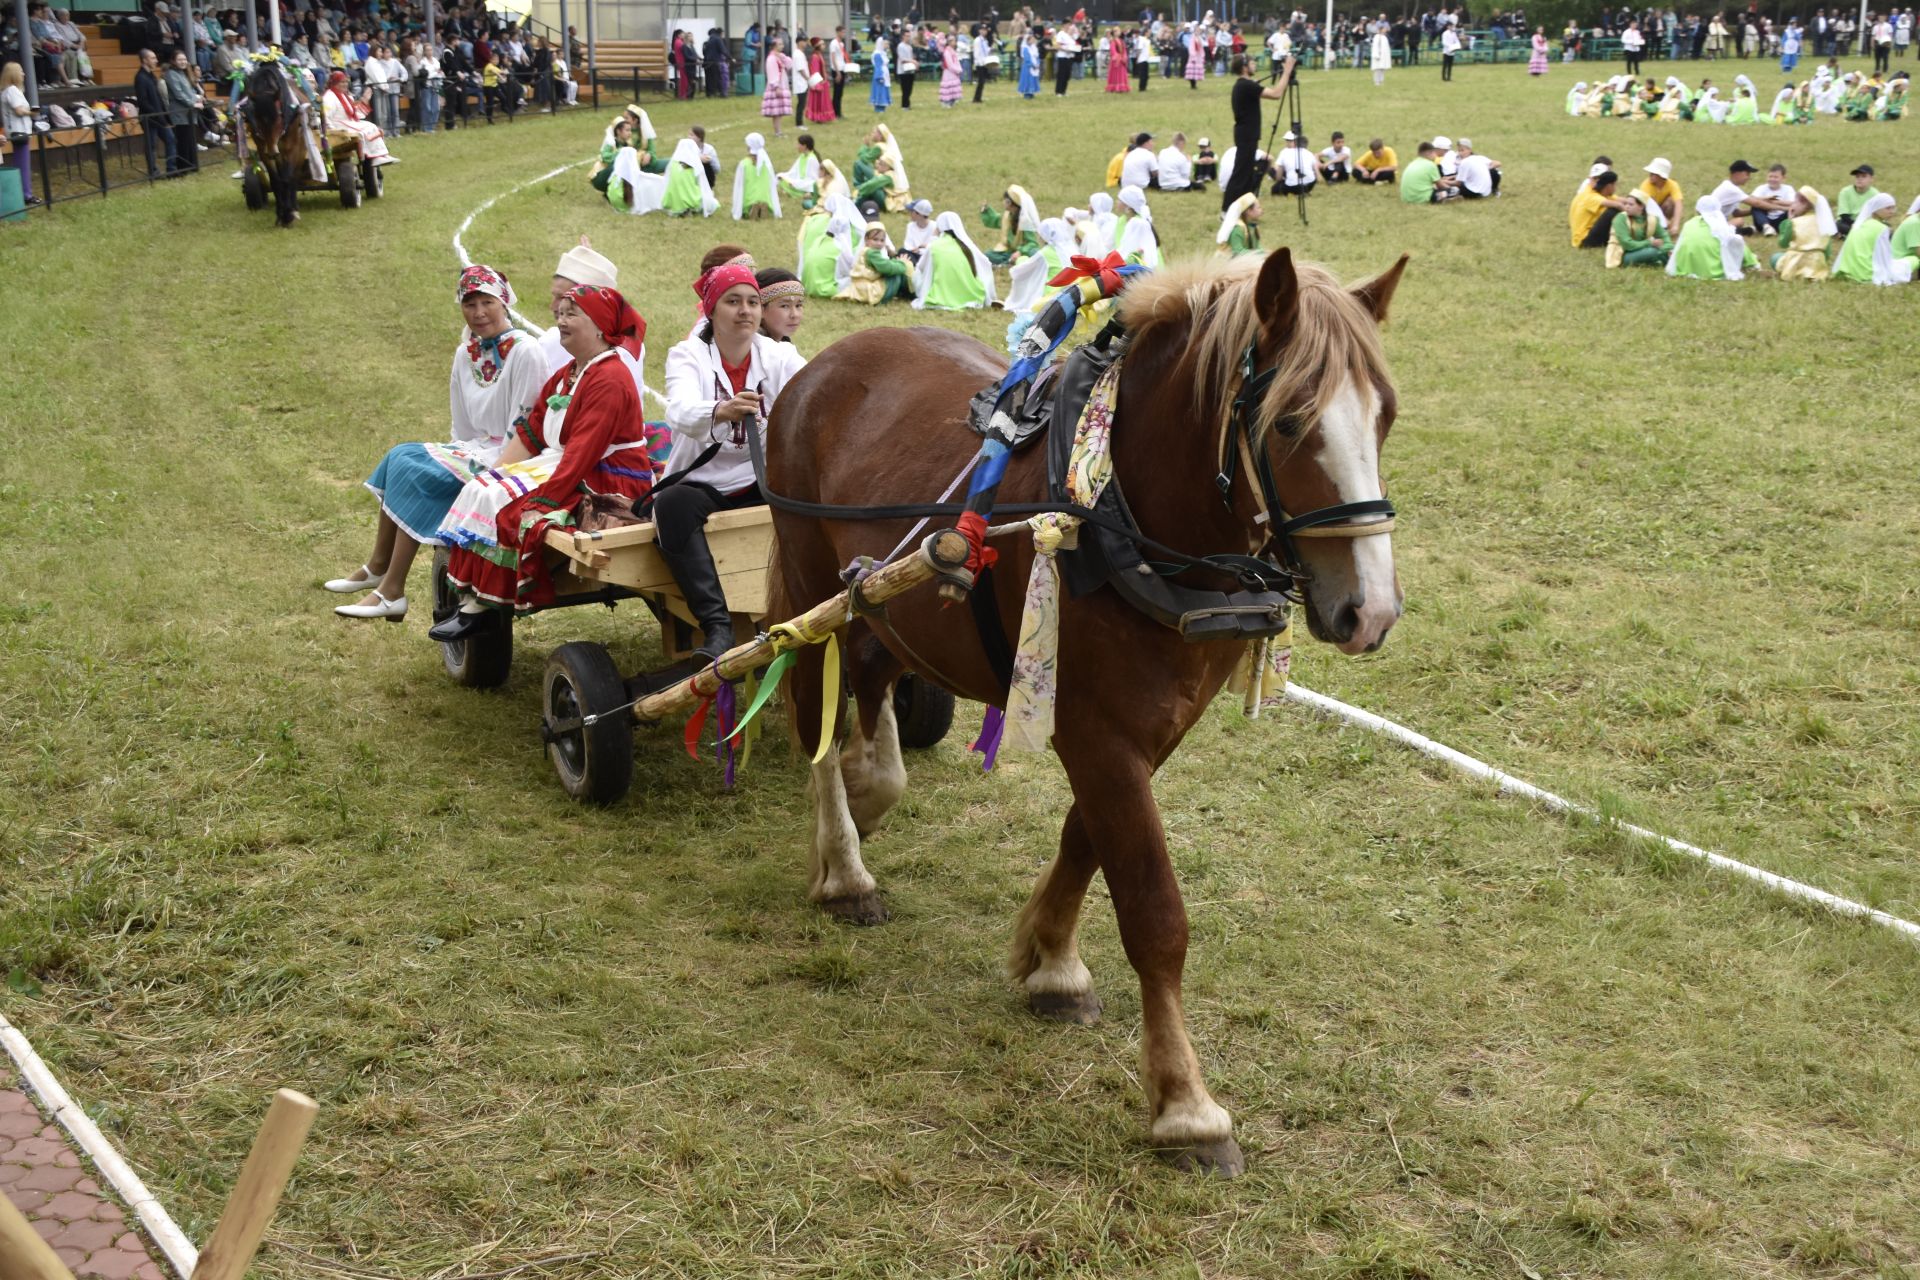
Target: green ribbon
column 768, row 683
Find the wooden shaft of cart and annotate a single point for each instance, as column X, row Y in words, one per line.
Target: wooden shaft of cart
column 943, row 555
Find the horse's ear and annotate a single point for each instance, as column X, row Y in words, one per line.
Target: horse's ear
column 1377, row 294
column 1276, row 295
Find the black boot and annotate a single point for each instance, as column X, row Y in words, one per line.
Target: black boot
column 693, row 568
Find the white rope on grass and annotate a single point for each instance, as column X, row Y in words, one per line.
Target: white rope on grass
column 1511, row 785
column 112, row 1165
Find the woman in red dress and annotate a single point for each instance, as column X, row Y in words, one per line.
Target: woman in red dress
column 1117, row 79
column 820, row 95
column 686, row 65
column 586, row 435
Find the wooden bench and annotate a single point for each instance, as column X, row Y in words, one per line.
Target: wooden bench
column 622, row 59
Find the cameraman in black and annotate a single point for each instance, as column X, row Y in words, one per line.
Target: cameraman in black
column 1247, row 95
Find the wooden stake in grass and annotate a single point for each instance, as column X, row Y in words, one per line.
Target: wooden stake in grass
column 23, row 1254
column 256, row 1194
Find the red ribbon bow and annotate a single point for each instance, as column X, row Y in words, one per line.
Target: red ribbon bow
column 1107, row 269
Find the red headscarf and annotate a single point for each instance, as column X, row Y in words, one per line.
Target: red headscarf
column 617, row 322
column 337, row 79
column 716, row 282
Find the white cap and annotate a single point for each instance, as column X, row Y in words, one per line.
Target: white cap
column 1661, row 167
column 1289, row 136
column 1443, row 142
column 1596, row 171
column 1466, row 142
column 922, row 207
column 584, row 266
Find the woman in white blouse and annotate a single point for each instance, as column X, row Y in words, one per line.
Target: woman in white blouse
column 721, row 384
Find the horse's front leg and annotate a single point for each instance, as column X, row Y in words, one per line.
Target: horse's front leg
column 1045, row 957
column 1113, row 792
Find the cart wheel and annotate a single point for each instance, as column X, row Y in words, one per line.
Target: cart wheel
column 482, row 662
column 254, row 188
column 923, row 711
column 595, row 762
column 348, row 175
column 371, row 180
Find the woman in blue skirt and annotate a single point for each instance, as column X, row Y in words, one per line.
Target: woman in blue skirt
column 882, row 95
column 497, row 374
column 1029, row 66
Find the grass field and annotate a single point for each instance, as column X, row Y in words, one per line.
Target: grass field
column 1657, row 545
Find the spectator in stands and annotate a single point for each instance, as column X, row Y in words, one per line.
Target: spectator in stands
column 383, row 89
column 16, row 114
column 74, row 63
column 183, row 112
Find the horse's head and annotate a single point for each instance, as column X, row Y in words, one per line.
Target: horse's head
column 1323, row 422
column 1303, row 353
column 266, row 86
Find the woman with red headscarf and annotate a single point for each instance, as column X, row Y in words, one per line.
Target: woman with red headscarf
column 584, row 436
column 721, row 384
column 344, row 115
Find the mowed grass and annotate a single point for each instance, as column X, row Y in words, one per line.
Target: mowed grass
column 1657, row 549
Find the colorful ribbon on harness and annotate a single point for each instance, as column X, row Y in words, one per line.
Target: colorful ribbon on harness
column 1030, row 697
column 1104, row 271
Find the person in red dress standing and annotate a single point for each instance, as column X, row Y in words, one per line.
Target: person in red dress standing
column 1117, row 79
column 686, row 65
column 586, row 435
column 820, row 92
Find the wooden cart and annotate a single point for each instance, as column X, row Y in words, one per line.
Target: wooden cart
column 595, row 760
column 355, row 179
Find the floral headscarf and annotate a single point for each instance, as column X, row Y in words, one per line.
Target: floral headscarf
column 480, row 278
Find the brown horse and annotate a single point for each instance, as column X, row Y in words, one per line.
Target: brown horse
column 879, row 417
column 273, row 129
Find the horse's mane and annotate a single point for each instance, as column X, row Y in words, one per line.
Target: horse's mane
column 1207, row 308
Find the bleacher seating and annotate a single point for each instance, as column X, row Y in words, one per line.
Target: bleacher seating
column 617, row 60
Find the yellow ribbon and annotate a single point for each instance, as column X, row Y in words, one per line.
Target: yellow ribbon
column 829, row 695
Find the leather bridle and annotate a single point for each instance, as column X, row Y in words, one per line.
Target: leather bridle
column 1240, row 449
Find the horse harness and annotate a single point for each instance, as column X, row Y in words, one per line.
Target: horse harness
column 1111, row 542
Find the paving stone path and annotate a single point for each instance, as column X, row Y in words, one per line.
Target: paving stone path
column 41, row 1172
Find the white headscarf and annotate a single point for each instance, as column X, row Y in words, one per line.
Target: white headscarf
column 1029, row 211
column 1231, row 218
column 1056, row 232
column 643, row 121
column 1886, row 268
column 1136, row 199
column 1139, row 236
column 1747, row 84
column 1823, row 212
column 1656, row 216
column 756, row 158
column 687, row 152
column 949, row 221
column 890, row 148
column 1780, row 101
column 1102, row 225
column 1576, row 97
column 648, row 189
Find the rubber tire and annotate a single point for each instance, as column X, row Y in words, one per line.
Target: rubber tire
column 348, row 176
column 371, row 180
column 483, row 662
column 595, row 762
column 254, row 187
column 923, row 712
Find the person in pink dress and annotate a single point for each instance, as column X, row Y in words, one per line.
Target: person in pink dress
column 1196, row 57
column 949, row 72
column 820, row 96
column 777, row 101
column 1537, row 64
column 1117, row 78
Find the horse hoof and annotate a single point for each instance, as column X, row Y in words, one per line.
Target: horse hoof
column 1057, row 1006
column 1220, row 1158
column 859, row 908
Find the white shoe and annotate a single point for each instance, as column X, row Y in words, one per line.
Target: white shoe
column 362, row 579
column 392, row 610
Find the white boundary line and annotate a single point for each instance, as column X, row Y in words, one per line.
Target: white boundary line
column 1511, row 785
column 112, row 1166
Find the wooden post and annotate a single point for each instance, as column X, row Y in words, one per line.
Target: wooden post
column 23, row 1254
column 256, row 1193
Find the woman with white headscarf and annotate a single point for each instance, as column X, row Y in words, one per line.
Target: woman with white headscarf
column 1905, row 242
column 1019, row 225
column 1027, row 285
column 688, row 190
column 1827, row 92
column 1746, row 106
column 1577, row 98
column 820, row 247
column 755, row 192
column 1382, row 59
column 1638, row 235
column 1139, row 242
column 954, row 274
column 1673, row 101
column 1102, row 227
column 1867, row 256
column 1708, row 247
column 644, row 192
column 900, row 195
column 1781, row 112
column 1239, row 228
column 1711, row 107
column 1804, row 238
